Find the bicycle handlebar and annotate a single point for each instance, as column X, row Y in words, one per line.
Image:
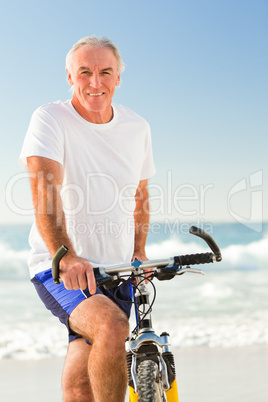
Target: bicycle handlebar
column 208, row 239
column 168, row 267
column 194, row 259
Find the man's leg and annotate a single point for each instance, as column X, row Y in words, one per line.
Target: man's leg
column 105, row 325
column 75, row 379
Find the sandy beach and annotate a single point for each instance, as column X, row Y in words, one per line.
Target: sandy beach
column 204, row 375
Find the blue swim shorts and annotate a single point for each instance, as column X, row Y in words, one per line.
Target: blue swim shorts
column 61, row 302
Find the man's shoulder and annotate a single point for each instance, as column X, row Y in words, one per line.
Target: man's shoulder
column 52, row 107
column 129, row 114
column 53, row 113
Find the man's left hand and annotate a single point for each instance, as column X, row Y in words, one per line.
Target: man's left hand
column 142, row 257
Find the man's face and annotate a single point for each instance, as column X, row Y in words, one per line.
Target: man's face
column 94, row 76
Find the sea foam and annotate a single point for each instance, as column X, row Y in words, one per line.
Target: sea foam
column 13, row 263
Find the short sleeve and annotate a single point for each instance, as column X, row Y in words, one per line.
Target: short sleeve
column 148, row 167
column 44, row 137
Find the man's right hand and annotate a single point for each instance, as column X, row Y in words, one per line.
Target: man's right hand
column 77, row 273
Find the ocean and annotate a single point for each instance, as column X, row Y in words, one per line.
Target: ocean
column 227, row 307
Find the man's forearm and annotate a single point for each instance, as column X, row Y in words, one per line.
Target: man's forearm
column 141, row 216
column 53, row 233
column 141, row 231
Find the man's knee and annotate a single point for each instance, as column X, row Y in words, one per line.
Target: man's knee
column 115, row 329
column 111, row 334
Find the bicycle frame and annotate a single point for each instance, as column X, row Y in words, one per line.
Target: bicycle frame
column 145, row 344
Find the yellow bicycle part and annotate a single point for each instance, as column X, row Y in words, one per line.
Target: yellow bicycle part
column 171, row 394
column 132, row 396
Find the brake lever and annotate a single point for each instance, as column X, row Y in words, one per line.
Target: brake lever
column 191, row 270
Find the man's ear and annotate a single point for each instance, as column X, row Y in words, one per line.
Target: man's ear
column 118, row 81
column 69, row 77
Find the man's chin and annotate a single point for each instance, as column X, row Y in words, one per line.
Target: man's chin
column 95, row 107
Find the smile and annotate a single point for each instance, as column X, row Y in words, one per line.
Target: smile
column 91, row 94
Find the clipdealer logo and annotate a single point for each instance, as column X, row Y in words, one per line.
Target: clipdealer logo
column 251, row 189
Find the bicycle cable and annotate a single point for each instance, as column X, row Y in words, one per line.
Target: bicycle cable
column 141, row 314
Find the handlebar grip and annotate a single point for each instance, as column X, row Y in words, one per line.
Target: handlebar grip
column 56, row 263
column 194, row 259
column 208, row 239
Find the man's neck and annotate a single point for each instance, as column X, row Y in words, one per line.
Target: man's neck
column 96, row 117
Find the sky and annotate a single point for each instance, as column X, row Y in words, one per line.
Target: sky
column 195, row 69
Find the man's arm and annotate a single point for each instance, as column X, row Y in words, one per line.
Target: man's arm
column 46, row 181
column 141, row 217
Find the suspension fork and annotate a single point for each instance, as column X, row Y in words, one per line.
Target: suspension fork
column 145, row 344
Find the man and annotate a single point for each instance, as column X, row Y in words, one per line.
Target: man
column 89, row 161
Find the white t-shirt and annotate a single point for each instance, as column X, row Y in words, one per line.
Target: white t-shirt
column 102, row 167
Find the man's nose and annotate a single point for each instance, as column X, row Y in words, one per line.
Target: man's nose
column 95, row 80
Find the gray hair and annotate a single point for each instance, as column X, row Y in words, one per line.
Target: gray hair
column 96, row 42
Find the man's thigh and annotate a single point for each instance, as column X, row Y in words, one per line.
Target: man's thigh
column 90, row 318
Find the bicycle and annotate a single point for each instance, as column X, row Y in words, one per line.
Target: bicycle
column 150, row 362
